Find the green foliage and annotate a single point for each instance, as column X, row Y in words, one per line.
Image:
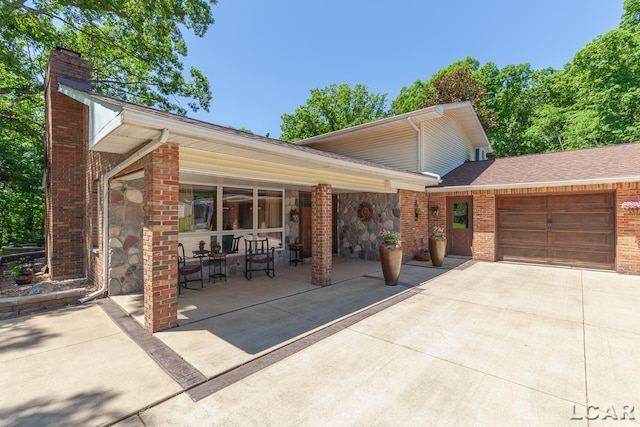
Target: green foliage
column 135, row 48
column 333, row 108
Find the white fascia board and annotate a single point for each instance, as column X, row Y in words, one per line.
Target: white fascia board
column 145, row 119
column 104, row 117
column 397, row 185
column 613, row 180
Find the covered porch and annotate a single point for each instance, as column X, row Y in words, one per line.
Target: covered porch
column 227, row 324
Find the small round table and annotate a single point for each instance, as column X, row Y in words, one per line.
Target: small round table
column 219, row 262
column 295, row 254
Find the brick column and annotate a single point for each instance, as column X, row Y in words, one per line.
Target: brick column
column 66, row 142
column 160, row 238
column 628, row 230
column 321, row 234
column 413, row 228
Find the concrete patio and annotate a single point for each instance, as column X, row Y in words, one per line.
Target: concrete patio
column 228, row 323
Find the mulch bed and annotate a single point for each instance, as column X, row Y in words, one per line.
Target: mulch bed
column 41, row 283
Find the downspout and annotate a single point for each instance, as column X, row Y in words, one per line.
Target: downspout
column 419, row 143
column 150, row 147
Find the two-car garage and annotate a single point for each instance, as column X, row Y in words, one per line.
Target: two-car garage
column 563, row 229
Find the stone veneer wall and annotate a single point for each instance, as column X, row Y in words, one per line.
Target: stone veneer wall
column 291, row 229
column 126, row 215
column 361, row 239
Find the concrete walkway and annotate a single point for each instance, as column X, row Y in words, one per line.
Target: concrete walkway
column 483, row 344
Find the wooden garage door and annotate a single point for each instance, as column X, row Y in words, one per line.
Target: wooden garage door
column 575, row 230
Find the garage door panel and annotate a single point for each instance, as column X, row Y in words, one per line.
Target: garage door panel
column 580, row 258
column 594, row 241
column 523, row 220
column 527, row 254
column 570, row 229
column 582, row 221
column 523, row 237
column 531, row 204
column 583, row 202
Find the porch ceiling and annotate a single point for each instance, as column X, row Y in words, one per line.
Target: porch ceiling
column 210, row 150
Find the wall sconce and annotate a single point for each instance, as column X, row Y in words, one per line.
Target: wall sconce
column 294, row 215
column 435, row 211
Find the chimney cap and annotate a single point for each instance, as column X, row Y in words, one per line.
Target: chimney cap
column 68, row 52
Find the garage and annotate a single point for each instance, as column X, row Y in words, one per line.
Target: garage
column 575, row 230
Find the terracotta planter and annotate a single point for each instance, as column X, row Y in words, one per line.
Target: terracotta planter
column 437, row 248
column 24, row 278
column 391, row 261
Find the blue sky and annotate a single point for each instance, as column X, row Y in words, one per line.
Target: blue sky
column 263, row 57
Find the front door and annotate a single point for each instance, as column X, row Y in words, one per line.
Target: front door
column 459, row 225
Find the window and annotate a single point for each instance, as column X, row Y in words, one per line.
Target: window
column 237, row 206
column 460, row 217
column 269, row 209
column 228, row 212
column 197, row 208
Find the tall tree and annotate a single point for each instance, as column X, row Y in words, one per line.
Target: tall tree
column 135, row 48
column 333, row 108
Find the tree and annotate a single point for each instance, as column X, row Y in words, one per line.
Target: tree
column 134, row 47
column 333, row 108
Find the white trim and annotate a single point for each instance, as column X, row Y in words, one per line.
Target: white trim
column 589, row 181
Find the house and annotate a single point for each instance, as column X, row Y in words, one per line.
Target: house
column 126, row 183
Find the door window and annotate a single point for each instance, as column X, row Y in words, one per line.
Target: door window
column 460, row 216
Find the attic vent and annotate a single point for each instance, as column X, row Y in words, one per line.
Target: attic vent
column 480, row 154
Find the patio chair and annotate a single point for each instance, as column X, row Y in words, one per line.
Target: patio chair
column 185, row 269
column 230, row 244
column 258, row 252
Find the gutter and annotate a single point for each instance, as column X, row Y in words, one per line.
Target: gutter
column 150, row 147
column 587, row 181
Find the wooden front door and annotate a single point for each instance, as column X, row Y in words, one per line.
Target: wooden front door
column 305, row 224
column 459, row 225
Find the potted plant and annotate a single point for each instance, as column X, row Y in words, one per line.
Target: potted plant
column 437, row 246
column 216, row 248
column 391, row 257
column 22, row 272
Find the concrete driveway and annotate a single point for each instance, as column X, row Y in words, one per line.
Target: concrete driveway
column 487, row 344
column 481, row 344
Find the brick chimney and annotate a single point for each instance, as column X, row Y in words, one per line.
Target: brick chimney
column 65, row 170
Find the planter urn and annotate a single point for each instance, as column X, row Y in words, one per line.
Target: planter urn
column 24, row 278
column 437, row 249
column 391, row 261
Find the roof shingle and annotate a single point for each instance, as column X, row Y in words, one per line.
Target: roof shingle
column 610, row 162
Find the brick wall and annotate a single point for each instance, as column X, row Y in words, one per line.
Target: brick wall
column 321, row 235
column 65, row 186
column 413, row 228
column 484, row 239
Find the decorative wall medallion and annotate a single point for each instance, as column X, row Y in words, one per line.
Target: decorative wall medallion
column 365, row 211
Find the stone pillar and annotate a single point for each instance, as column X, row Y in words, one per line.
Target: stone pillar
column 160, row 238
column 321, row 234
column 66, row 142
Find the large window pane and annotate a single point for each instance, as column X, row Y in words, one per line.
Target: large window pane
column 269, row 209
column 196, row 208
column 237, row 206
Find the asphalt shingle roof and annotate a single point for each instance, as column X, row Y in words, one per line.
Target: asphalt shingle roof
column 615, row 161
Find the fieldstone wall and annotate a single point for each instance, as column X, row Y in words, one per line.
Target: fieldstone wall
column 361, row 239
column 291, row 228
column 126, row 215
